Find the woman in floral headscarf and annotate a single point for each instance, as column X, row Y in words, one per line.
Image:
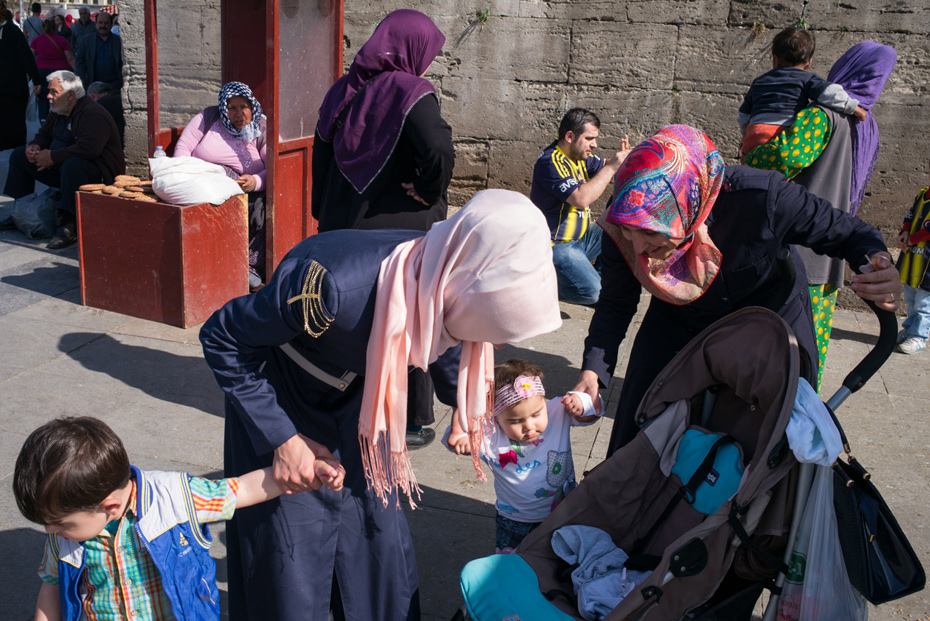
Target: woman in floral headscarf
column 232, row 134
column 702, row 238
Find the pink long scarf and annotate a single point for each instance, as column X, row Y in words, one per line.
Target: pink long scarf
column 483, row 277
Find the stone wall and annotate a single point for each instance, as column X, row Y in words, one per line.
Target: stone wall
column 505, row 81
column 189, row 60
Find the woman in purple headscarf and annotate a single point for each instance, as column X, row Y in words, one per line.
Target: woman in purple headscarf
column 845, row 154
column 383, row 155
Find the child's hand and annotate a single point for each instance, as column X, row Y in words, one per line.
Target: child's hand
column 460, row 444
column 860, row 113
column 573, row 405
column 904, row 240
column 330, row 472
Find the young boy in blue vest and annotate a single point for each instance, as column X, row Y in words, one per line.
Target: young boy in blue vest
column 124, row 543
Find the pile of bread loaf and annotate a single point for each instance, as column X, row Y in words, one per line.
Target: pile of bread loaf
column 124, row 186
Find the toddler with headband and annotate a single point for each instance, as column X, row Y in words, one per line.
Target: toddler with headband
column 529, row 448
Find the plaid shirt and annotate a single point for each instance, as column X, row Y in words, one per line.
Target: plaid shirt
column 120, row 578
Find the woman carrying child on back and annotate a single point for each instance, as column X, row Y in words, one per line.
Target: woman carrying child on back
column 776, row 96
column 529, row 448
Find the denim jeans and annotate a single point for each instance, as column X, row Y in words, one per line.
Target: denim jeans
column 578, row 267
column 509, row 533
column 917, row 323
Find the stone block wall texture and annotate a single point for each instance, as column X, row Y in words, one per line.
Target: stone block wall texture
column 189, row 60
column 505, row 81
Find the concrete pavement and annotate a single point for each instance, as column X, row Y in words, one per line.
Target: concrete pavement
column 150, row 383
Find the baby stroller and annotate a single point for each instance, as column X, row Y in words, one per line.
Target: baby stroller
column 742, row 395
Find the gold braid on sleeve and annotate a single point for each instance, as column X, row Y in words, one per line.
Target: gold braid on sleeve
column 312, row 301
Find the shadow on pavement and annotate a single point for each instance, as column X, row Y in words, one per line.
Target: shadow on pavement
column 50, row 280
column 184, row 380
column 849, row 335
column 19, row 582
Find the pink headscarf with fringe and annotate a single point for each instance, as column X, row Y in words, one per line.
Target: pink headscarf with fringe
column 482, row 277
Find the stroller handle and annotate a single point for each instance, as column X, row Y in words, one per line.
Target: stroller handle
column 888, row 330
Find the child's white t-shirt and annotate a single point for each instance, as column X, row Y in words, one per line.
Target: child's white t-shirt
column 531, row 479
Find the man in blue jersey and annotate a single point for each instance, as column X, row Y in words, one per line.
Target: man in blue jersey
column 567, row 178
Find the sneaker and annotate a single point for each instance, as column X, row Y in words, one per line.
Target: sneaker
column 902, row 336
column 912, row 345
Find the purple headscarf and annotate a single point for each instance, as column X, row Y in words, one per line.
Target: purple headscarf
column 862, row 71
column 389, row 67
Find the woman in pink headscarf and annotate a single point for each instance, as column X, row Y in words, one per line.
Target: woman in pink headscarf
column 315, row 363
column 702, row 238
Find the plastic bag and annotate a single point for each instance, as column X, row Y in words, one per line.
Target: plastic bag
column 191, row 181
column 31, row 108
column 817, row 586
column 34, row 215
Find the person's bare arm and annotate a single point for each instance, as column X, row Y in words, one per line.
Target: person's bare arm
column 48, row 604
column 591, row 190
column 259, row 485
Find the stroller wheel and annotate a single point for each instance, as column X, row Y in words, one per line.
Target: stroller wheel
column 461, row 614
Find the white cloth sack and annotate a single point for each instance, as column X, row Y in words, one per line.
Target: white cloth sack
column 191, row 181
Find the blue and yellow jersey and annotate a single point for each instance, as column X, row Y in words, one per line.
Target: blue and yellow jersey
column 555, row 177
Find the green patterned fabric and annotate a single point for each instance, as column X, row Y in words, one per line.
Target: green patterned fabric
column 823, row 301
column 794, row 149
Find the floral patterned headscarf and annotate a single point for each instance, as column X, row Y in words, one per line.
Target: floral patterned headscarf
column 668, row 184
column 237, row 89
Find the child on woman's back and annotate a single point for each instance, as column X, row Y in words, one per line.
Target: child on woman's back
column 775, row 97
column 529, row 449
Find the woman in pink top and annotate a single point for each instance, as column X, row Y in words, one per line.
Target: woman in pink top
column 232, row 134
column 52, row 52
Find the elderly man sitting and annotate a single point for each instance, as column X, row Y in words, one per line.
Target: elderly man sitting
column 77, row 144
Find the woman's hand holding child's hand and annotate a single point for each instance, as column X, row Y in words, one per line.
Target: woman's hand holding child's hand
column 330, row 472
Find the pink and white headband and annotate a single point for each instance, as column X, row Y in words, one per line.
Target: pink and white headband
column 522, row 388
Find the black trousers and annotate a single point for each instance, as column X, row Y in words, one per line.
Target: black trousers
column 420, row 398
column 12, row 122
column 68, row 177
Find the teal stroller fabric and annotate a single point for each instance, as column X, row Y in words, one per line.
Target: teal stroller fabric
column 504, row 587
column 723, row 479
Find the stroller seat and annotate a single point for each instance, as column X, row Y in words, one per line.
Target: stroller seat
column 750, row 361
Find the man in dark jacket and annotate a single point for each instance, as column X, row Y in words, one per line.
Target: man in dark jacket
column 19, row 65
column 77, row 144
column 99, row 56
column 83, row 26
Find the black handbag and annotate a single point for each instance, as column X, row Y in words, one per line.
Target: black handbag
column 879, row 559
